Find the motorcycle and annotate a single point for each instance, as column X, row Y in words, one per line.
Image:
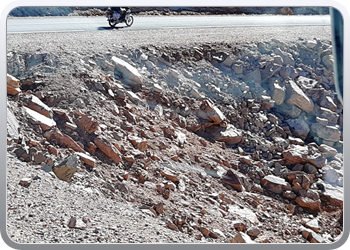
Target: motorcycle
column 126, row 17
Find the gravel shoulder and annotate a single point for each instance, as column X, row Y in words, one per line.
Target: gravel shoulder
column 100, row 42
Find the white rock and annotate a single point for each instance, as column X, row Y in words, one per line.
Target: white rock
column 297, row 97
column 128, row 72
column 39, row 119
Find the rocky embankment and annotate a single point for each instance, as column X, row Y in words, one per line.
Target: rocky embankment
column 212, row 142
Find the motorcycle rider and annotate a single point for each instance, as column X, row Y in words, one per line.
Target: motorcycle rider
column 119, row 12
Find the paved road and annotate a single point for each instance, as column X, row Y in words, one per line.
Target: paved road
column 63, row 24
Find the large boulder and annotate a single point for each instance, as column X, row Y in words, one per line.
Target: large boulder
column 328, row 60
column 128, row 72
column 309, row 199
column 333, row 195
column 295, row 96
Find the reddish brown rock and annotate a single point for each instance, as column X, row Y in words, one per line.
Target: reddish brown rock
column 306, row 202
column 86, row 159
column 172, row 226
column 241, row 238
column 170, row 175
column 13, row 91
column 13, row 81
column 63, row 140
column 237, row 180
column 312, row 236
column 240, row 226
column 303, row 154
column 25, row 182
column 87, row 123
column 204, row 231
column 210, row 112
column 159, row 208
column 274, row 184
column 253, row 231
column 138, row 143
column 35, row 104
column 108, row 148
column 13, row 85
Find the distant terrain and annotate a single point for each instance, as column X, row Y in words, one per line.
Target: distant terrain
column 65, row 11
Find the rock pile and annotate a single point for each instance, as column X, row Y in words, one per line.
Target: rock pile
column 220, row 141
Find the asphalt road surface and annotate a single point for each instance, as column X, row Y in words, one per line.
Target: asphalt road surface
column 73, row 24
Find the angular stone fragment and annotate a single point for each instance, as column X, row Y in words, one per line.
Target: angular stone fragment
column 241, row 238
column 311, row 236
column 328, row 60
column 129, row 73
column 87, row 123
column 329, row 133
column 274, row 184
column 39, row 119
column 253, row 231
column 307, row 202
column 209, row 111
column 62, row 140
column 170, row 175
column 299, row 128
column 333, row 195
column 86, row 159
column 327, row 151
column 313, row 224
column 12, row 126
column 229, row 134
column 34, row 103
column 243, row 213
column 303, row 154
column 13, row 81
column 13, row 85
column 25, row 182
column 172, row 226
column 278, row 92
column 66, row 168
column 108, row 148
column 237, row 180
column 77, row 223
column 296, row 96
column 138, row 143
column 204, row 231
column 13, row 91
